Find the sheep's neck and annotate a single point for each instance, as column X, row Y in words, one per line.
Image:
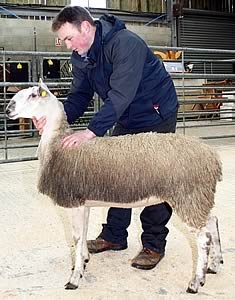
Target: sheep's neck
column 56, row 127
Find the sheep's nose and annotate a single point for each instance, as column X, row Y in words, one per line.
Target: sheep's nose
column 10, row 107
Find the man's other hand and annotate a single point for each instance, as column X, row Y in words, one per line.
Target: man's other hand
column 39, row 123
column 75, row 139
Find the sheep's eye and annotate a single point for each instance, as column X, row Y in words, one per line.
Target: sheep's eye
column 34, row 95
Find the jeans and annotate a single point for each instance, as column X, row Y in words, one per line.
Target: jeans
column 153, row 218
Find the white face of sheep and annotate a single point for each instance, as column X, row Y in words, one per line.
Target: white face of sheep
column 30, row 102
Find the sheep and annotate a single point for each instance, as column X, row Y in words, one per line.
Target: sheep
column 124, row 171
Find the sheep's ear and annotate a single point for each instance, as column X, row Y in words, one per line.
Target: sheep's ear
column 42, row 89
column 42, row 93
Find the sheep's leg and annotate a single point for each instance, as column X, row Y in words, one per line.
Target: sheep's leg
column 215, row 251
column 203, row 246
column 80, row 224
column 85, row 249
column 76, row 228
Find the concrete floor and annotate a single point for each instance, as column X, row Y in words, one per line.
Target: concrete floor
column 36, row 246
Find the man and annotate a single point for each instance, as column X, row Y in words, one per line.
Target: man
column 139, row 96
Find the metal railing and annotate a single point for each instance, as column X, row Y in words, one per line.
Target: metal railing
column 202, row 107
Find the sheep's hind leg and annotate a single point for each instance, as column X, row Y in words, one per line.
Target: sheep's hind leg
column 85, row 249
column 80, row 224
column 215, row 251
column 203, row 246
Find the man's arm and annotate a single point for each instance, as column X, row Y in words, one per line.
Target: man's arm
column 79, row 96
column 72, row 140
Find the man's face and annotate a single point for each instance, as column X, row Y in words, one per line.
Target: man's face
column 75, row 39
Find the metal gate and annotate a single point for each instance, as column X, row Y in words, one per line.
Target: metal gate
column 207, row 99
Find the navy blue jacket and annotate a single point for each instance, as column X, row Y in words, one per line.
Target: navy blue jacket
column 136, row 89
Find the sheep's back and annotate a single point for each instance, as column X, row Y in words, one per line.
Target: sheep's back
column 125, row 169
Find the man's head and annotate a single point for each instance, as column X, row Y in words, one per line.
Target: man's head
column 75, row 26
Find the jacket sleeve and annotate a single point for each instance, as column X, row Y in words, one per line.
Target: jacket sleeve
column 127, row 54
column 79, row 96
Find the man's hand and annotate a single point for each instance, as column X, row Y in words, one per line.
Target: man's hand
column 75, row 139
column 39, row 124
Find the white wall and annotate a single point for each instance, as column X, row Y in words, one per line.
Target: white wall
column 19, row 35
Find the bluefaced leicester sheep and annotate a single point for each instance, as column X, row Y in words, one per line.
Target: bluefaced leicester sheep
column 124, row 171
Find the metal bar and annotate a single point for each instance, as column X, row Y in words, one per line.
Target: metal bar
column 4, row 107
column 9, row 12
column 202, row 76
column 35, row 53
column 192, row 101
column 19, row 131
column 212, row 137
column 11, row 160
column 15, row 61
column 183, row 81
column 207, row 125
column 19, row 146
column 26, row 84
column 164, row 48
column 205, row 112
column 188, row 87
column 155, row 19
column 195, row 50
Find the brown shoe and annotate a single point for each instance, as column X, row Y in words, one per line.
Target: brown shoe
column 99, row 245
column 147, row 259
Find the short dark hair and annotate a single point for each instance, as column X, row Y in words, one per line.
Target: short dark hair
column 72, row 14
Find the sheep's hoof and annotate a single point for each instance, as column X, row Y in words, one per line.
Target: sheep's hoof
column 191, row 291
column 70, row 286
column 210, row 271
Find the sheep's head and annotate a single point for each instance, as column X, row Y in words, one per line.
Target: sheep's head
column 30, row 102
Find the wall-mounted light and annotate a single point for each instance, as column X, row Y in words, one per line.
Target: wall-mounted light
column 19, row 66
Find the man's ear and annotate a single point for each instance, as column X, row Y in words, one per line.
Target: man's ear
column 85, row 26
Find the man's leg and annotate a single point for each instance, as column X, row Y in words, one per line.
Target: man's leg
column 154, row 219
column 115, row 230
column 114, row 233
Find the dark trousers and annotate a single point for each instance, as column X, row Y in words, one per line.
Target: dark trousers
column 153, row 218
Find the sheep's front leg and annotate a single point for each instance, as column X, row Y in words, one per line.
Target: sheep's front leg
column 80, row 218
column 203, row 245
